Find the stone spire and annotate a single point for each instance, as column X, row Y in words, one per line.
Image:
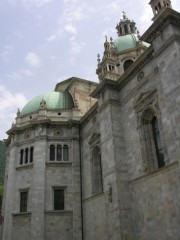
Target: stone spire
column 159, row 6
column 125, row 26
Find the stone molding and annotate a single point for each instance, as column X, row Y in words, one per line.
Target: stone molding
column 109, row 102
column 156, row 172
column 146, row 79
column 24, row 167
column 169, row 16
column 58, row 212
column 21, row 214
column 58, row 164
column 168, row 42
column 148, row 101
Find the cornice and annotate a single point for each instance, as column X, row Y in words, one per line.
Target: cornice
column 168, row 42
column 144, row 59
column 92, row 111
column 139, row 86
column 105, row 84
column 109, row 102
column 168, row 16
column 32, row 125
column 70, row 82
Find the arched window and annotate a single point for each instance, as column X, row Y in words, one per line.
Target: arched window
column 31, row 154
column 26, row 155
column 59, row 153
column 21, row 156
column 131, row 27
column 65, row 153
column 127, row 63
column 157, row 141
column 152, row 150
column 156, row 9
column 52, row 153
column 97, row 184
column 125, row 29
column 120, row 31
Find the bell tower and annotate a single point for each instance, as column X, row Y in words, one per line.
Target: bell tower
column 159, row 6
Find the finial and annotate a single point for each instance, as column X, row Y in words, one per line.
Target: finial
column 106, row 38
column 124, row 15
column 98, row 58
column 18, row 113
column 111, row 41
column 138, row 34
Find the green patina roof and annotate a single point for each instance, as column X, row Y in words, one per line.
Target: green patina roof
column 127, row 42
column 54, row 101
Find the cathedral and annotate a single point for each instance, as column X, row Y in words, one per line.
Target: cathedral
column 101, row 161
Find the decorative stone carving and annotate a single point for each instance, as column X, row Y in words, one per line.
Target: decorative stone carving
column 98, row 58
column 76, row 105
column 94, row 139
column 140, row 76
column 43, row 104
column 58, row 132
column 40, row 129
column 147, row 107
column 18, row 113
column 27, row 135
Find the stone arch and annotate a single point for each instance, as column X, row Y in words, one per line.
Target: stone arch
column 152, row 147
column 127, row 63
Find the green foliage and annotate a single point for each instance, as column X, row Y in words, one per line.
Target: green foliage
column 1, row 196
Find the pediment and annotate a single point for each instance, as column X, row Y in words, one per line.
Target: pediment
column 143, row 97
column 94, row 138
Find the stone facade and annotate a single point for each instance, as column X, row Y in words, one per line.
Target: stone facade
column 121, row 177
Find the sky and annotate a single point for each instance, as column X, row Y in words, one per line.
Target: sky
column 43, row 42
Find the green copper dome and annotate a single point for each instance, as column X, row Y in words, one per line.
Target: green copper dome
column 53, row 101
column 127, row 42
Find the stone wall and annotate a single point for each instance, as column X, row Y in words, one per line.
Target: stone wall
column 155, row 205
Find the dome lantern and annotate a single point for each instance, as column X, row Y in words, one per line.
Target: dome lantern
column 125, row 26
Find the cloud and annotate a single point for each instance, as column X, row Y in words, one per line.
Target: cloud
column 35, row 3
column 70, row 28
column 70, row 1
column 7, row 51
column 90, row 73
column 10, row 102
column 176, row 5
column 75, row 47
column 51, row 38
column 28, row 4
column 146, row 15
column 109, row 32
column 32, row 59
column 20, row 75
column 114, row 5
